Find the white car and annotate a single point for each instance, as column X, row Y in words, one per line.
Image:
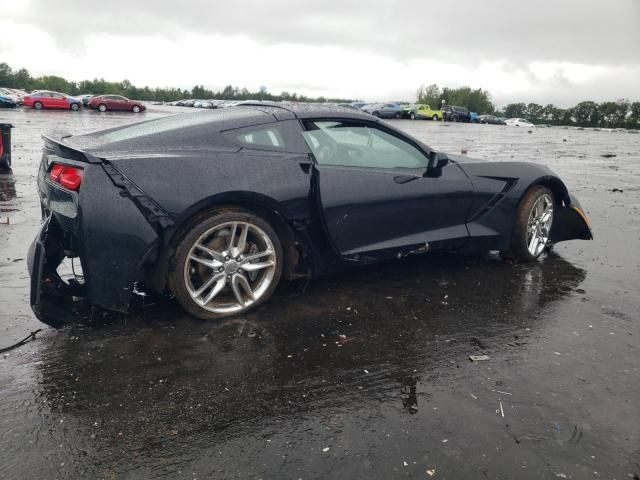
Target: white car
column 519, row 122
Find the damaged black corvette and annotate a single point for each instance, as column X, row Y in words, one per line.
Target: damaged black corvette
column 216, row 207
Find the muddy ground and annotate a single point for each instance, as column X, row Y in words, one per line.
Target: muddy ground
column 366, row 374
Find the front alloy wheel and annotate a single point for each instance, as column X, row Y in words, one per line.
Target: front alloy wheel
column 534, row 221
column 539, row 225
column 226, row 264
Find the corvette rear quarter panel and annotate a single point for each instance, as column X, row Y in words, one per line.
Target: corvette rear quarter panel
column 115, row 239
column 185, row 185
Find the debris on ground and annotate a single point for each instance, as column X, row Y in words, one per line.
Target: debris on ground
column 500, row 410
column 608, row 155
column 431, row 472
column 617, row 190
column 479, row 358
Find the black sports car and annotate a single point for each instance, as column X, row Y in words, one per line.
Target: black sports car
column 215, row 207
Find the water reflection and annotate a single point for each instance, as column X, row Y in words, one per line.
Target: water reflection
column 163, row 380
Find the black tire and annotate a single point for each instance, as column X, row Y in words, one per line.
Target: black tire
column 519, row 248
column 5, row 166
column 434, row 118
column 75, row 107
column 412, row 115
column 102, row 107
column 37, row 105
column 193, row 233
column 376, row 114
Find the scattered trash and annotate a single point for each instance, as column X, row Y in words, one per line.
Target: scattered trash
column 366, row 371
column 561, row 475
column 326, row 449
column 479, row 358
column 473, row 396
column 431, row 472
column 617, row 190
column 503, row 393
column 500, row 410
column 405, row 464
column 463, row 151
column 608, row 155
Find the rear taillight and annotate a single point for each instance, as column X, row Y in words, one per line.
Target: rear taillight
column 68, row 177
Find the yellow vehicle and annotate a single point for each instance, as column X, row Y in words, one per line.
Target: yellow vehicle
column 422, row 111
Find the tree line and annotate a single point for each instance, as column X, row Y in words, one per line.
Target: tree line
column 22, row 79
column 615, row 114
column 619, row 114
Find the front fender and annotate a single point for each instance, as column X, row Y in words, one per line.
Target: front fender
column 570, row 222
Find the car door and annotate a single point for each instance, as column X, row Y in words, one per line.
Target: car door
column 113, row 102
column 374, row 194
column 57, row 101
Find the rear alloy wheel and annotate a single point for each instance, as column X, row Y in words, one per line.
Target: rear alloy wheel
column 532, row 232
column 412, row 116
column 136, row 109
column 75, row 107
column 435, row 118
column 37, row 106
column 102, row 107
column 226, row 264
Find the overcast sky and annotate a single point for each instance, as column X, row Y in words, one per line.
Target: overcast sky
column 547, row 51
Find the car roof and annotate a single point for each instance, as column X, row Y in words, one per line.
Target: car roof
column 302, row 111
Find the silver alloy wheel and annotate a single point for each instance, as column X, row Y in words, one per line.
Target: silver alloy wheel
column 102, row 107
column 136, row 109
column 539, row 225
column 229, row 267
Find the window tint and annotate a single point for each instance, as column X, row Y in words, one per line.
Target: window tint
column 353, row 144
column 261, row 137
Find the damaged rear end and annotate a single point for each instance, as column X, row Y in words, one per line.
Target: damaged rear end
column 88, row 218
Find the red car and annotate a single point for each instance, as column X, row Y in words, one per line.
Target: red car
column 115, row 102
column 47, row 99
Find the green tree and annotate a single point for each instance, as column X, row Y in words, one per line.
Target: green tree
column 587, row 114
column 534, row 113
column 515, row 110
column 429, row 95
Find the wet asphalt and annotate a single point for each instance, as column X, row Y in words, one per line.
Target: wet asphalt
column 362, row 375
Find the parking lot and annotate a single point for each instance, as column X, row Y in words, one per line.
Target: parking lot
column 361, row 375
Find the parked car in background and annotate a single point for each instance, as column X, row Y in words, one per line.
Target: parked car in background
column 384, row 110
column 491, row 120
column 422, row 111
column 519, row 122
column 48, row 99
column 11, row 94
column 6, row 102
column 473, row 117
column 116, row 102
column 452, row 113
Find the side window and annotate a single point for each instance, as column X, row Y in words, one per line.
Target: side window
column 353, row 144
column 261, row 137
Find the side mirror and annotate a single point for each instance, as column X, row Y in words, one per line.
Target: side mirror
column 436, row 162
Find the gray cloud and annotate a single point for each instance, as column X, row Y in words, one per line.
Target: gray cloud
column 580, row 31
